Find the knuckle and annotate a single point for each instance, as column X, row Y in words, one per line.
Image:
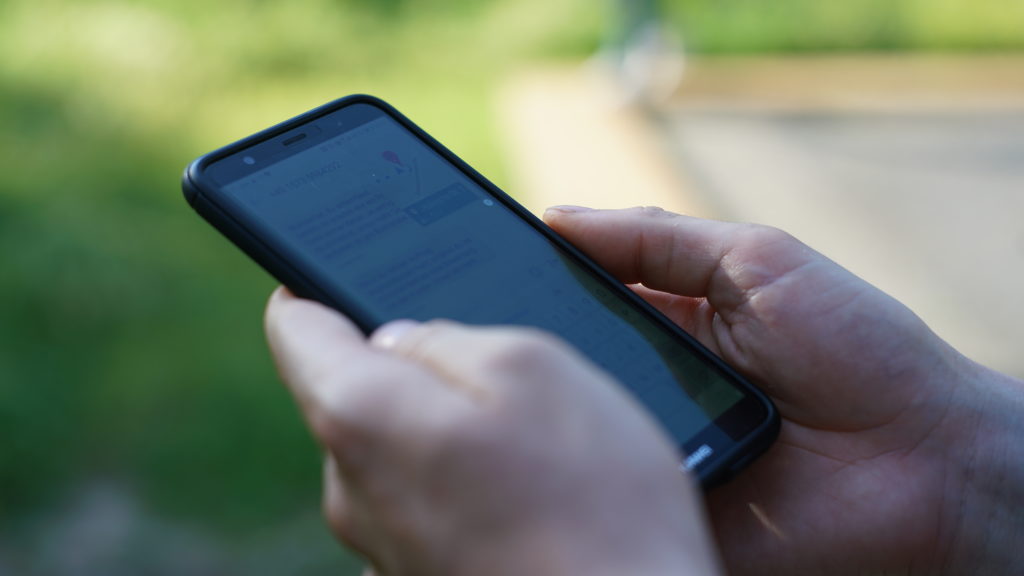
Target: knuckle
column 421, row 342
column 767, row 235
column 350, row 443
column 328, row 427
column 342, row 525
column 524, row 348
column 361, row 391
column 652, row 211
column 350, row 418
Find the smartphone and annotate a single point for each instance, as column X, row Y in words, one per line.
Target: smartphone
column 353, row 205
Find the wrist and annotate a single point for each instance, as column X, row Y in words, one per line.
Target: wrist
column 988, row 527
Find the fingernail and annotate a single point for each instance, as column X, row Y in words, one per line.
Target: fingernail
column 568, row 209
column 389, row 334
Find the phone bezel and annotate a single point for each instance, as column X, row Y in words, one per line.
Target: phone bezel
column 205, row 196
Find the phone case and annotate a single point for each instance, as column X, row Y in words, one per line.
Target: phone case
column 727, row 463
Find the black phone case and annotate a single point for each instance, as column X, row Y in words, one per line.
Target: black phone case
column 726, row 464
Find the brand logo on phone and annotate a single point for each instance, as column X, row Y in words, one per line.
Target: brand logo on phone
column 699, row 455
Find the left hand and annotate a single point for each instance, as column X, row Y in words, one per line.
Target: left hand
column 455, row 450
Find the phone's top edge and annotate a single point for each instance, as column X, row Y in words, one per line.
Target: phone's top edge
column 192, row 175
column 188, row 187
column 210, row 157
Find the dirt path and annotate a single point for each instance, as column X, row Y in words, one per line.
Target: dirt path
column 909, row 171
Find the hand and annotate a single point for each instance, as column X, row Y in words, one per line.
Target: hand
column 896, row 454
column 453, row 451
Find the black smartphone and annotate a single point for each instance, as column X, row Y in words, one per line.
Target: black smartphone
column 353, row 205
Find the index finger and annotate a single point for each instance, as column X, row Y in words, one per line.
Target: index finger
column 310, row 343
column 348, row 391
column 679, row 254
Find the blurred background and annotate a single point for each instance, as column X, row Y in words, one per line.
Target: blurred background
column 142, row 428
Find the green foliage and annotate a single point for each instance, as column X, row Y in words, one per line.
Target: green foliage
column 130, row 337
column 745, row 26
column 130, row 333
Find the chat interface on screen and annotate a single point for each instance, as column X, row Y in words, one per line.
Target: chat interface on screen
column 408, row 235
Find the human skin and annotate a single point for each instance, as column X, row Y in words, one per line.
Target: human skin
column 494, row 451
column 896, row 454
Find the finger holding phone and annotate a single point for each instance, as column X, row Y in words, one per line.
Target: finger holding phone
column 353, row 205
column 896, row 455
column 878, row 468
column 895, row 450
column 456, row 450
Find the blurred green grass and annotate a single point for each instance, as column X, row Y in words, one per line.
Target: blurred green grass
column 130, row 336
column 130, row 332
column 794, row 26
column 128, row 322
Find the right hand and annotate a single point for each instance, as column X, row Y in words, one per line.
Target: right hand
column 896, row 453
column 467, row 450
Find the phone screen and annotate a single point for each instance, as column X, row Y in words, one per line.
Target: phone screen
column 393, row 227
